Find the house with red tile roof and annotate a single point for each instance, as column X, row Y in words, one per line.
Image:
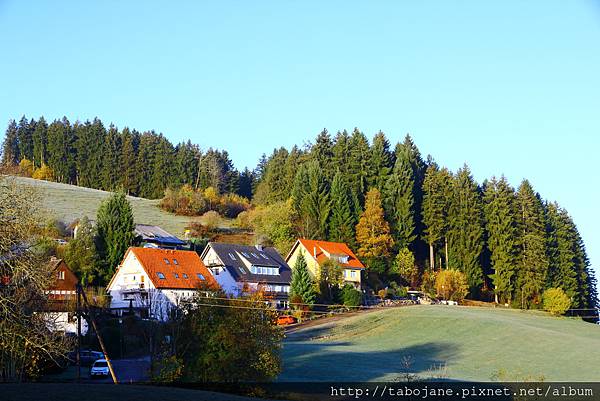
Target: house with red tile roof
column 153, row 282
column 317, row 252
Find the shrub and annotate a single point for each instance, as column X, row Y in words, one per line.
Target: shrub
column 211, row 220
column 44, row 173
column 243, row 221
column 404, row 265
column 451, row 284
column 556, row 301
column 382, row 293
column 26, row 167
column 351, row 296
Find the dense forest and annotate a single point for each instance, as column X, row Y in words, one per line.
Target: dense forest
column 404, row 215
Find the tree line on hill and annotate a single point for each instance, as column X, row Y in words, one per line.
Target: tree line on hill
column 405, row 216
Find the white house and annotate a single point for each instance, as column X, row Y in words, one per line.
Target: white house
column 153, row 282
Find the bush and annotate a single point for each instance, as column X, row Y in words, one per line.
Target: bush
column 26, row 168
column 428, row 282
column 189, row 202
column 351, row 296
column 212, row 220
column 556, row 301
column 44, row 173
column 451, row 284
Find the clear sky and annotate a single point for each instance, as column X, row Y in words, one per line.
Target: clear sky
column 510, row 87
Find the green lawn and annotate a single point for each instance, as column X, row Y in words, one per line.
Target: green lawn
column 469, row 343
column 69, row 202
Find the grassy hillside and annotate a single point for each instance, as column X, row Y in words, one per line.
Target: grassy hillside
column 69, row 202
column 472, row 343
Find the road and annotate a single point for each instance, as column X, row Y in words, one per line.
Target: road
column 126, row 370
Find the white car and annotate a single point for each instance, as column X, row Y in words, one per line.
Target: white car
column 99, row 368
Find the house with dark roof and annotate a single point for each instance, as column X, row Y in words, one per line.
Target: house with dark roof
column 148, row 236
column 317, row 252
column 153, row 282
column 244, row 268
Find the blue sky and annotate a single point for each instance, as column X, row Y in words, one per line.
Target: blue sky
column 509, row 87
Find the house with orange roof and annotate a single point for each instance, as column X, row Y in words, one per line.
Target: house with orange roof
column 317, row 252
column 153, row 282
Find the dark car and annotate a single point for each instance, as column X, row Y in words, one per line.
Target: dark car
column 88, row 357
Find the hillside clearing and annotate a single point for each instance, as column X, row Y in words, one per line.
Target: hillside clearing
column 69, row 202
column 457, row 343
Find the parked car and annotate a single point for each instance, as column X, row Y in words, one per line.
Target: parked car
column 285, row 320
column 99, row 368
column 87, row 357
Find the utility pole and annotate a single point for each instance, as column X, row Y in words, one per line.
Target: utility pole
column 108, row 362
column 78, row 314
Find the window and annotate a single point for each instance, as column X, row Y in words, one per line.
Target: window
column 264, row 256
column 255, row 255
column 175, row 262
column 185, row 276
column 232, row 256
column 200, row 276
column 167, row 261
column 245, row 254
column 352, row 274
column 176, row 275
column 61, row 275
column 160, row 275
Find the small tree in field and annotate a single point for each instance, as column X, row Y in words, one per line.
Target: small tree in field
column 556, row 301
column 451, row 284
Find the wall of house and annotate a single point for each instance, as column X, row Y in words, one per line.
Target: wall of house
column 64, row 321
column 313, row 265
column 220, row 273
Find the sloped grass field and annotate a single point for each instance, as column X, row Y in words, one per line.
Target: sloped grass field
column 447, row 342
column 69, row 202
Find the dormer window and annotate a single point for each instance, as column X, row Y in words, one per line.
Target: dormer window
column 200, row 276
column 176, row 275
column 160, row 275
column 232, row 256
column 167, row 261
column 185, row 276
column 175, row 262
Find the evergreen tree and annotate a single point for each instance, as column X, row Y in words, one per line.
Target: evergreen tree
column 10, row 147
column 373, row 231
column 25, row 135
column 322, row 152
column 40, row 142
column 587, row 294
column 145, row 164
column 340, row 152
column 246, row 183
column 90, row 153
column 561, row 248
column 436, row 200
column 358, row 164
column 111, row 164
column 381, row 161
column 129, row 149
column 342, row 221
column 465, row 234
column 533, row 267
column 81, row 256
column 114, row 225
column 61, row 152
column 311, row 201
column 302, row 284
column 399, row 203
column 499, row 202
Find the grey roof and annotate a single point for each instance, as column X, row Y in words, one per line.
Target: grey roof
column 266, row 257
column 156, row 234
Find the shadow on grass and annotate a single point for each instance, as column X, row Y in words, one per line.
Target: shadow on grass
column 326, row 362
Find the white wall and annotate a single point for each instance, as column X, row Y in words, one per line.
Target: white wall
column 223, row 277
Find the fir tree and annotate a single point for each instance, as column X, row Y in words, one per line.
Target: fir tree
column 10, row 147
column 342, row 221
column 533, row 267
column 380, row 161
column 311, row 201
column 111, row 167
column 114, row 224
column 40, row 142
column 358, row 161
column 499, row 202
column 399, row 203
column 129, row 149
column 302, row 284
column 340, row 152
column 61, row 152
column 465, row 234
column 435, row 208
column 322, row 152
column 25, row 135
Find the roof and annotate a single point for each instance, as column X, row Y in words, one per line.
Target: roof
column 188, row 263
column 264, row 256
column 156, row 234
column 69, row 282
column 333, row 248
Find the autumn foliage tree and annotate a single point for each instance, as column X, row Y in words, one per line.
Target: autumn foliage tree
column 373, row 231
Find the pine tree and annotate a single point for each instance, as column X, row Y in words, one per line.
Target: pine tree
column 129, row 149
column 111, row 163
column 40, row 142
column 465, row 232
column 302, row 284
column 499, row 203
column 25, row 135
column 342, row 221
column 533, row 267
column 587, row 293
column 311, row 200
column 322, row 152
column 399, row 203
column 373, row 231
column 114, row 224
column 436, row 201
column 561, row 248
column 246, row 183
column 10, row 147
column 381, row 162
column 340, row 152
column 61, row 152
column 358, row 164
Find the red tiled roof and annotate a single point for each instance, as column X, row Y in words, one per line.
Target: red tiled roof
column 336, row 248
column 187, row 262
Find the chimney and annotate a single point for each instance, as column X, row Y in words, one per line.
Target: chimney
column 259, row 247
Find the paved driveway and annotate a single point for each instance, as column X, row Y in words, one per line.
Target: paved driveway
column 126, row 370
